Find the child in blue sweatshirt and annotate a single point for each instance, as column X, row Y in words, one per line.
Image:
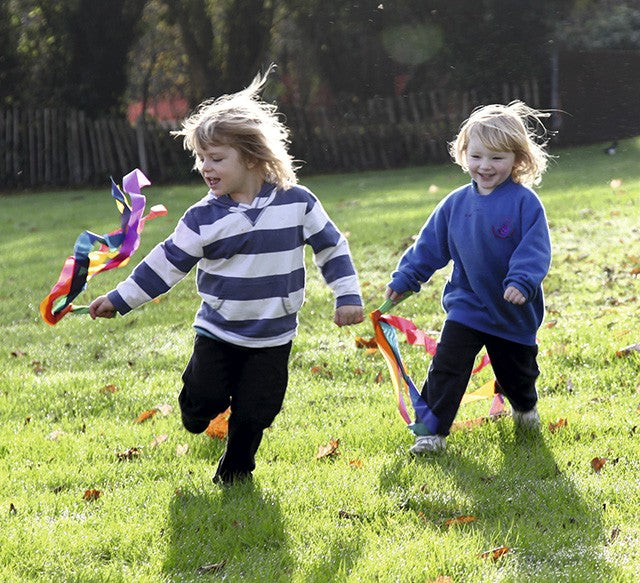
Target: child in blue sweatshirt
column 495, row 232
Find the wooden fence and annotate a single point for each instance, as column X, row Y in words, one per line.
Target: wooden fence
column 59, row 148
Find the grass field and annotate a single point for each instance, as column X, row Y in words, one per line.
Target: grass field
column 70, row 395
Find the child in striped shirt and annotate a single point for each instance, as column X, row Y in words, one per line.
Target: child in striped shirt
column 247, row 237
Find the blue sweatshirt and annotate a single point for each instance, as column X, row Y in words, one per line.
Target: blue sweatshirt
column 495, row 241
column 250, row 264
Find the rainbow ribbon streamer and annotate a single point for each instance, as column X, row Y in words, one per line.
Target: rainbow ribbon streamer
column 385, row 327
column 114, row 249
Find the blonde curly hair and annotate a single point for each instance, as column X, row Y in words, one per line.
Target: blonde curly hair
column 515, row 128
column 245, row 122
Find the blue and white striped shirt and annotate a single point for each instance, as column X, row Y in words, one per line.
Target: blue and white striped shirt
column 251, row 273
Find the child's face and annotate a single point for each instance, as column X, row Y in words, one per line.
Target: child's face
column 487, row 167
column 225, row 172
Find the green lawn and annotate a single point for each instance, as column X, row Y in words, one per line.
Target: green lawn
column 371, row 513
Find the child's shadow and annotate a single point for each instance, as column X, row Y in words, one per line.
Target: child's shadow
column 552, row 532
column 220, row 530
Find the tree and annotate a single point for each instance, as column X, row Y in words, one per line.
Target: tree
column 225, row 42
column 76, row 52
column 10, row 71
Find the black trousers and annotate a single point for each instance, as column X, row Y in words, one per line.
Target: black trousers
column 253, row 381
column 514, row 366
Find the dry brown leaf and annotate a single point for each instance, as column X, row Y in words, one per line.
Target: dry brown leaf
column 469, row 423
column 495, row 554
column 345, row 514
column 37, row 366
column 329, row 449
column 145, row 415
column 164, row 409
column 182, row 449
column 366, row 342
column 597, row 463
column 379, row 378
column 460, row 520
column 91, row 495
column 158, row 439
column 18, row 353
column 627, row 350
column 356, row 463
column 322, row 370
column 559, row 424
column 129, row 454
column 219, row 426
column 615, row 533
column 109, row 389
column 551, row 324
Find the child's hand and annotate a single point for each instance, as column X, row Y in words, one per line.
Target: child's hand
column 514, row 296
column 102, row 308
column 392, row 295
column 347, row 315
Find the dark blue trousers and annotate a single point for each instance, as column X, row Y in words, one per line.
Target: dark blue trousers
column 514, row 365
column 253, row 381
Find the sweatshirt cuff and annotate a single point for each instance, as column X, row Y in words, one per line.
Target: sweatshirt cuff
column 118, row 303
column 349, row 300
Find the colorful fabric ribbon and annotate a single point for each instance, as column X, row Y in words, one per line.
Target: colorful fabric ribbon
column 114, row 249
column 385, row 327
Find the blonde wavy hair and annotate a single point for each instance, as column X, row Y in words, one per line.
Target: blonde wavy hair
column 513, row 128
column 245, row 122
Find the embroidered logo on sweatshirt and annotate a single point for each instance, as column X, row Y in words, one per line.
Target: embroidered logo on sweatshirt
column 505, row 230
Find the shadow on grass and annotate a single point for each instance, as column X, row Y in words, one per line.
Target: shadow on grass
column 235, row 532
column 527, row 504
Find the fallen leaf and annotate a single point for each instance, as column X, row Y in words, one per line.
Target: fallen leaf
column 615, row 533
column 53, row 436
column 128, row 454
column 109, row 389
column 158, row 440
column 328, row 450
column 18, row 353
column 366, row 342
column 356, row 464
column 91, row 495
column 145, row 415
column 627, row 350
column 345, row 514
column 495, row 554
column 379, row 378
column 37, row 366
column 322, row 370
column 12, row 509
column 212, row 568
column 460, row 520
column 164, row 410
column 219, row 426
column 551, row 324
column 182, row 449
column 441, row 579
column 553, row 427
column 597, row 463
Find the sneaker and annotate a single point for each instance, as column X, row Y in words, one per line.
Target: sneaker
column 428, row 443
column 526, row 419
